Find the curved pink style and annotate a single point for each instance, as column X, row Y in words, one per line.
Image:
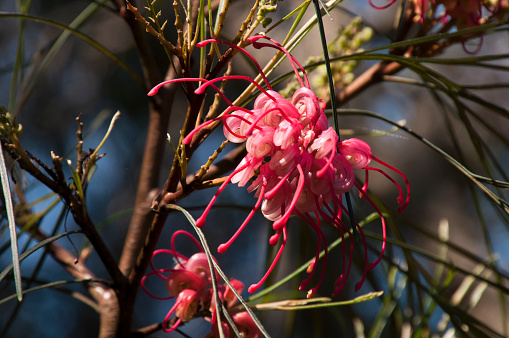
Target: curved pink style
column 387, row 5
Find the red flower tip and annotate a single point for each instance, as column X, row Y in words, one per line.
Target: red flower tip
column 200, row 222
column 280, row 223
column 200, row 90
column 222, row 248
column 274, row 239
column 253, row 288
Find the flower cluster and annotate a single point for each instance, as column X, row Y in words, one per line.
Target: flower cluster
column 295, row 164
column 189, row 281
column 462, row 13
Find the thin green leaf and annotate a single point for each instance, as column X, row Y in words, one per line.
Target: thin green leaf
column 29, row 220
column 23, row 8
column 84, row 15
column 333, row 102
column 201, row 31
column 53, row 285
column 35, row 248
column 113, row 217
column 442, row 36
column 474, row 327
column 305, row 304
column 12, row 226
column 77, row 183
column 302, row 10
column 93, row 156
column 435, row 259
column 389, row 303
column 80, row 35
column 504, row 205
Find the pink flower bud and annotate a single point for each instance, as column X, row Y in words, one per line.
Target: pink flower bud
column 187, row 304
column 180, row 280
column 246, row 325
column 308, row 106
column 199, row 265
column 356, row 151
column 228, row 296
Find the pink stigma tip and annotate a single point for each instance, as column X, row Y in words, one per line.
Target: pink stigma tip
column 200, row 90
column 222, row 248
column 200, row 222
column 274, row 239
column 280, row 223
column 252, row 288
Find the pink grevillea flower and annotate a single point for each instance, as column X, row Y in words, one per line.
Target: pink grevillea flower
column 295, row 164
column 186, row 281
column 189, row 281
column 228, row 296
column 464, row 13
column 461, row 13
column 358, row 153
column 244, row 323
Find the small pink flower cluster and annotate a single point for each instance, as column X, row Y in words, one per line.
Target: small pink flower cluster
column 190, row 283
column 294, row 163
column 463, row 13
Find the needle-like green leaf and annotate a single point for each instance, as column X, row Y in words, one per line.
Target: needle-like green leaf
column 12, row 226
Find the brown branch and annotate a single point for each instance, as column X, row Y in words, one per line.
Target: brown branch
column 148, row 330
column 159, row 116
column 153, row 328
column 167, row 196
column 104, row 295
